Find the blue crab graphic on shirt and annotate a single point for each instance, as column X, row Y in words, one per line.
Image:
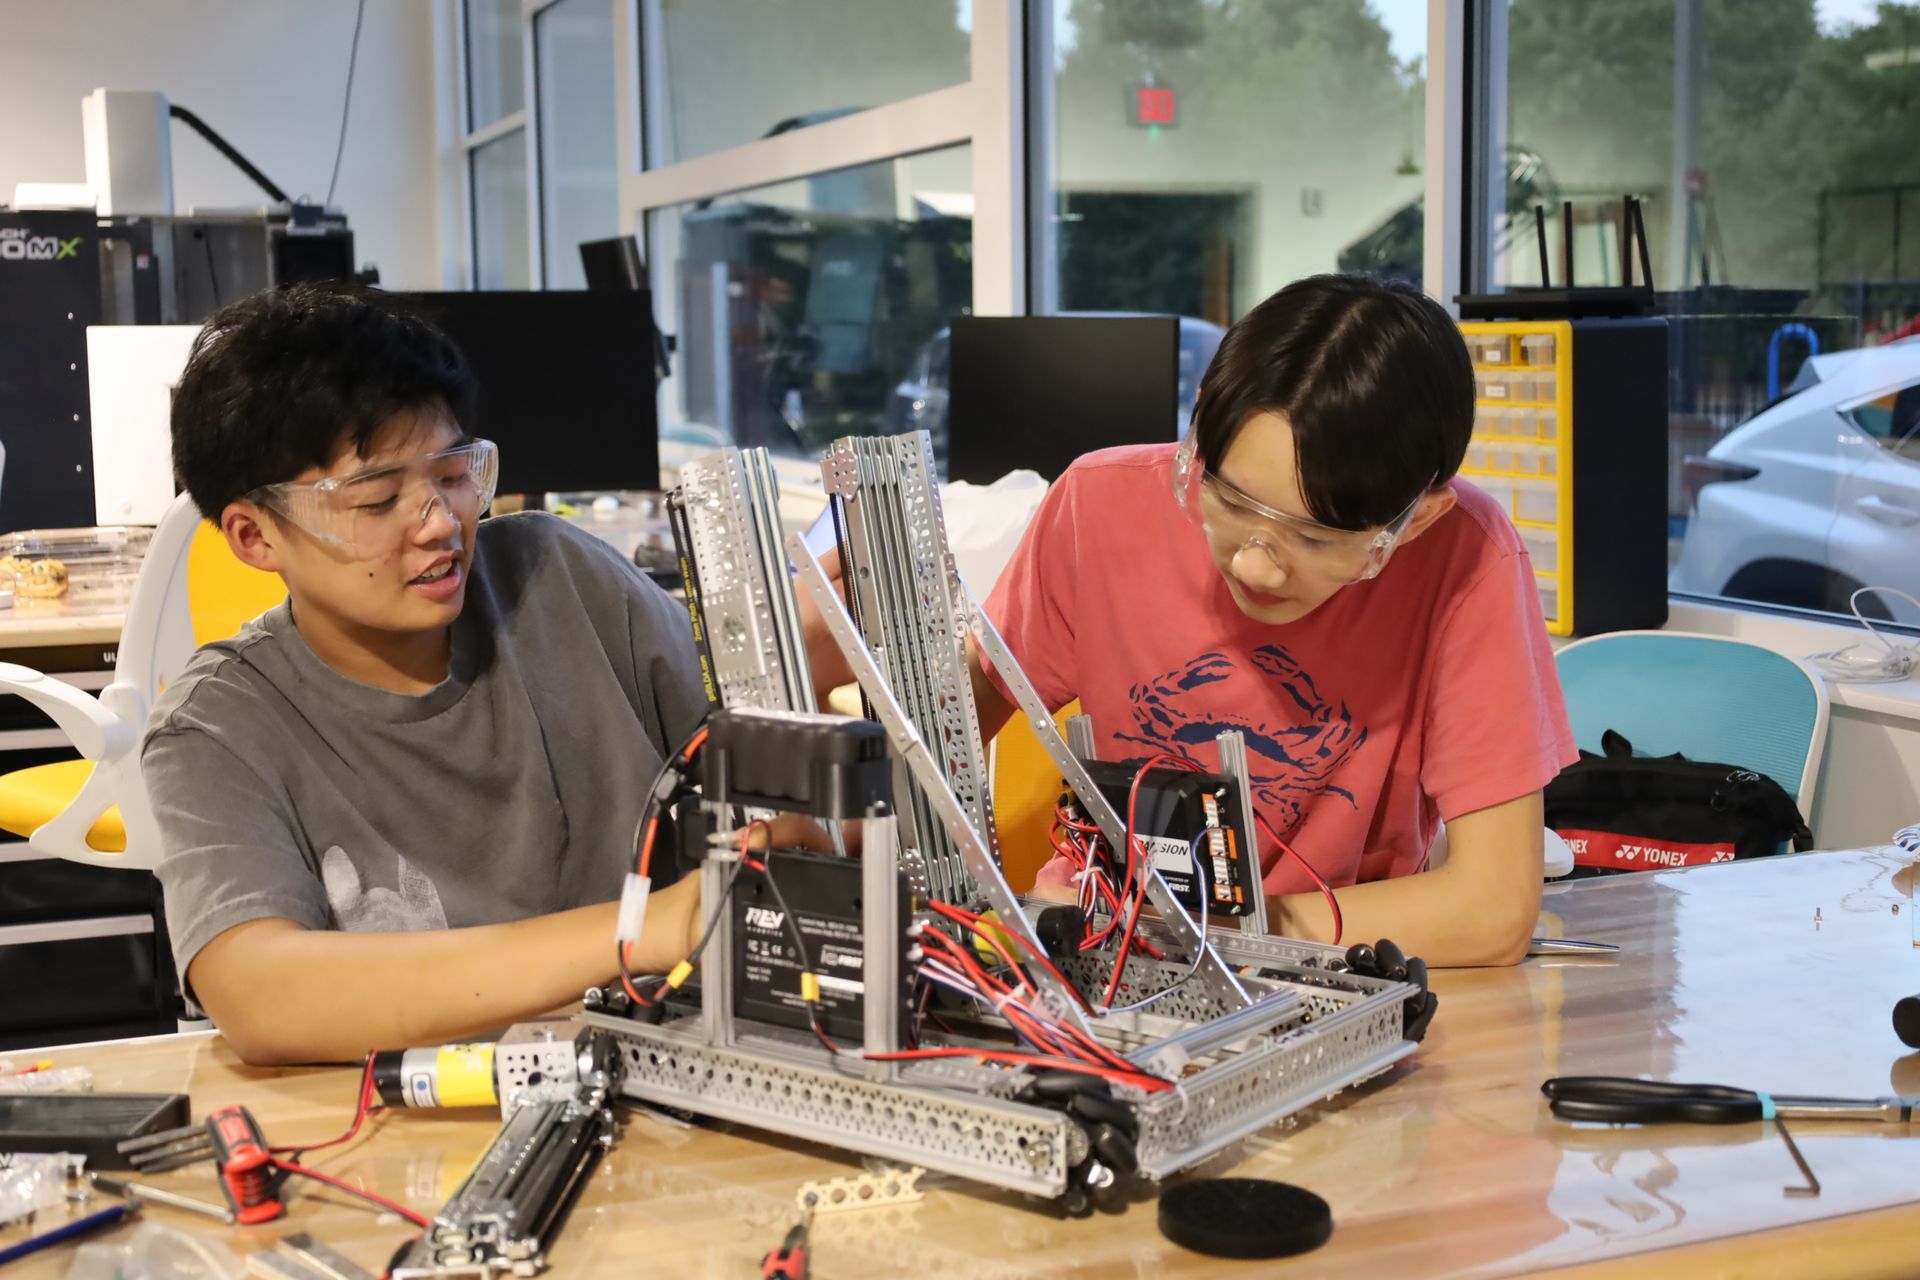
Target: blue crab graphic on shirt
column 1290, row 764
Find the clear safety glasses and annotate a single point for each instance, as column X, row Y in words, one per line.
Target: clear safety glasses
column 370, row 514
column 1233, row 520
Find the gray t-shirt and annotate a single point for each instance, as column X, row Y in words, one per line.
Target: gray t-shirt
column 511, row 789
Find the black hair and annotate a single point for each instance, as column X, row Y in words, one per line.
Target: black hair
column 281, row 381
column 1375, row 378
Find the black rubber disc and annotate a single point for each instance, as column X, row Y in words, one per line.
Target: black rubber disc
column 1244, row 1218
column 1906, row 1021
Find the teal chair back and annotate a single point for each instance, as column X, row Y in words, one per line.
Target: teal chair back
column 1706, row 697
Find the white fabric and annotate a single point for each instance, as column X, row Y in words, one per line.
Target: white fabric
column 985, row 522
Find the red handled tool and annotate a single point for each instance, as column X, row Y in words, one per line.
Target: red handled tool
column 789, row 1261
column 248, row 1173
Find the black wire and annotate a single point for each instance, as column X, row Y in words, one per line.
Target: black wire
column 799, row 946
column 213, row 276
column 353, row 56
column 713, row 922
column 177, row 112
column 677, row 763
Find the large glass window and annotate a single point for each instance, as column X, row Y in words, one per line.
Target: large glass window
column 579, row 177
column 1773, row 142
column 817, row 308
column 737, row 70
column 502, row 258
column 1196, row 155
column 495, row 81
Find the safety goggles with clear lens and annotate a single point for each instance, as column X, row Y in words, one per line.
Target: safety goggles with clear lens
column 370, row 514
column 1236, row 523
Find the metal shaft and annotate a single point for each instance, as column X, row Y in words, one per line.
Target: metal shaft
column 159, row 1195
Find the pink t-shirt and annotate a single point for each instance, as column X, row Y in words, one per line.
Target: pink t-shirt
column 1416, row 696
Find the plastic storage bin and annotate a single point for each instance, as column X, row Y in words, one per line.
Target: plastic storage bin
column 1536, row 501
column 1490, row 348
column 80, row 570
column 1593, row 521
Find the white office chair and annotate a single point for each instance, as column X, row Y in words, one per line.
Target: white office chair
column 155, row 644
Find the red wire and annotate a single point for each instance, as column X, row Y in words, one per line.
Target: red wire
column 975, row 923
column 1127, row 884
column 1131, row 1075
column 290, row 1166
column 1326, row 890
column 634, row 995
column 1076, row 1042
column 1140, row 897
column 1151, row 1083
column 646, row 846
column 361, row 1111
column 685, row 757
column 1079, row 860
column 746, row 837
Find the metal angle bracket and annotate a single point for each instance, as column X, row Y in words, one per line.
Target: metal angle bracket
column 1210, row 969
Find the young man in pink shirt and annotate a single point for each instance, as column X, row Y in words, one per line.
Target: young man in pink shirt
column 1306, row 569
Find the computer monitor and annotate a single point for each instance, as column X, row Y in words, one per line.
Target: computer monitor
column 613, row 265
column 566, row 384
column 1039, row 391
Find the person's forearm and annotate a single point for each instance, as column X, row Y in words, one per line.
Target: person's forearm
column 990, row 705
column 312, row 996
column 1450, row 921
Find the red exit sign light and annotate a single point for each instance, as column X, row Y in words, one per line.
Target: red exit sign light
column 1154, row 108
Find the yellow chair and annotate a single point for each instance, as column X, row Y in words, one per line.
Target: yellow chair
column 94, row 810
column 1026, row 784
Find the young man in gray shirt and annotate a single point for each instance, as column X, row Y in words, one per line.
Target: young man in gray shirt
column 398, row 807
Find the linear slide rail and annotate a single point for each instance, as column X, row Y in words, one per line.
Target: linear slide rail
column 729, row 503
column 901, row 593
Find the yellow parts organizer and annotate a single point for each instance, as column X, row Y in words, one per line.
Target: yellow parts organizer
column 1521, row 453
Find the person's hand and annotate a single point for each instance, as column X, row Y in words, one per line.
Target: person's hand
column 789, row 831
column 1054, row 893
column 827, row 665
column 696, row 921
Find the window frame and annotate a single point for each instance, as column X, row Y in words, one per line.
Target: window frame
column 990, row 112
column 984, row 113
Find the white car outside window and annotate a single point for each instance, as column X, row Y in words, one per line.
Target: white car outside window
column 1817, row 495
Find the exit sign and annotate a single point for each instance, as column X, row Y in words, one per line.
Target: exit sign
column 1152, row 107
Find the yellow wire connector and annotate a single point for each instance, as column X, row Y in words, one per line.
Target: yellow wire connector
column 681, row 972
column 810, row 988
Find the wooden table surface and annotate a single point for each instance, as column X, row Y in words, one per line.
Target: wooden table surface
column 33, row 623
column 1778, row 975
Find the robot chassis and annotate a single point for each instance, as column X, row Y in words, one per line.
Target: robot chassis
column 1250, row 1027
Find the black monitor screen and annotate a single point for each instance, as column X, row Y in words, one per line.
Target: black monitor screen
column 566, row 384
column 1039, row 391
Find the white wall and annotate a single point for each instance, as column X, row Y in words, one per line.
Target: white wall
column 269, row 76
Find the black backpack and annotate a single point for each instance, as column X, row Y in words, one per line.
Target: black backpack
column 1622, row 812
